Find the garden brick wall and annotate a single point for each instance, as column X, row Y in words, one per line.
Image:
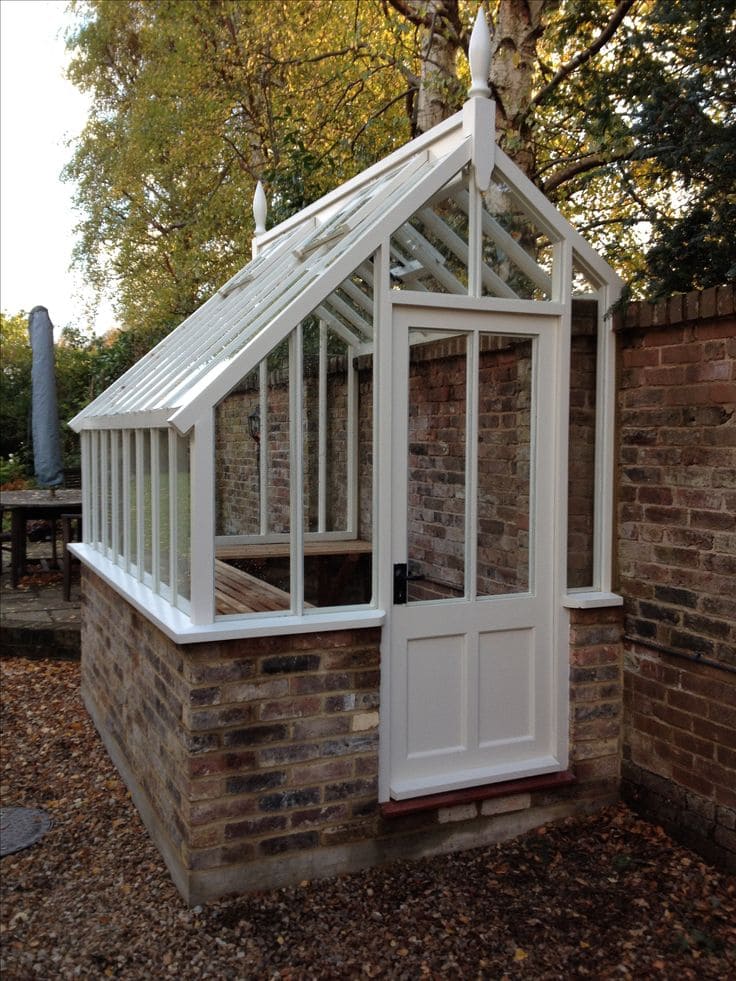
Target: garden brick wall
column 254, row 762
column 677, row 563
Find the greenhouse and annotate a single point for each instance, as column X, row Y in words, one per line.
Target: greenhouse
column 395, row 426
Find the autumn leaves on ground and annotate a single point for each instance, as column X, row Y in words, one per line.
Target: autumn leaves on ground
column 608, row 896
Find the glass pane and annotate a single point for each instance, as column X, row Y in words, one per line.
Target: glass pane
column 94, row 511
column 325, row 429
column 312, row 448
column 516, row 254
column 505, row 415
column 164, row 529
column 118, row 542
column 147, row 503
column 581, row 466
column 336, row 442
column 183, row 518
column 105, row 490
column 337, row 570
column 436, row 465
column 237, row 449
column 255, row 576
column 430, row 251
column 133, row 498
column 364, row 504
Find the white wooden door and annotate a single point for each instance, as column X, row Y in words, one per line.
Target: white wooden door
column 475, row 685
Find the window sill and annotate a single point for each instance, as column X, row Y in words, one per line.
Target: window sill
column 179, row 628
column 591, row 600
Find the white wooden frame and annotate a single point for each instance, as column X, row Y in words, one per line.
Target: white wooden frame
column 302, row 268
column 542, row 325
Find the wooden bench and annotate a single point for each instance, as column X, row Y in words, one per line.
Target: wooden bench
column 239, row 592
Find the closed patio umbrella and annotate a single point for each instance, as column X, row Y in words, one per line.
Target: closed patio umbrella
column 44, row 411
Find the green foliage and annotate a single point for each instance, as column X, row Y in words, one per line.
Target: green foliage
column 15, row 390
column 11, row 470
column 631, row 136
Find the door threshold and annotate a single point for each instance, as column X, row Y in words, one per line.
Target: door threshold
column 413, row 805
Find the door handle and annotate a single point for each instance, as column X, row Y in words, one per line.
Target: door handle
column 401, row 577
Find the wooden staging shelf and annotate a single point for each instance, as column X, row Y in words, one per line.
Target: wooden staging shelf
column 277, row 550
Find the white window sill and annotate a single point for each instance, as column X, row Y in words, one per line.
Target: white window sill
column 591, row 600
column 177, row 625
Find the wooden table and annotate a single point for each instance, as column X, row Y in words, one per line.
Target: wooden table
column 35, row 505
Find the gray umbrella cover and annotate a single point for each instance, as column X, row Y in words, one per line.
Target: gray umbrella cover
column 44, row 410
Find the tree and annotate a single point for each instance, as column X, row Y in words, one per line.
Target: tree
column 15, row 387
column 620, row 112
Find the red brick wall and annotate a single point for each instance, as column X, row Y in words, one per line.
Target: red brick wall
column 677, row 562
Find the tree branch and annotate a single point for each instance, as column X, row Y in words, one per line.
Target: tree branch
column 590, row 162
column 375, row 115
column 606, row 34
column 450, row 15
column 421, row 20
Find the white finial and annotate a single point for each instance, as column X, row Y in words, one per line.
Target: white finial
column 260, row 208
column 479, row 56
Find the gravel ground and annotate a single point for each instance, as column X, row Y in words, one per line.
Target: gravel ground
column 607, row 896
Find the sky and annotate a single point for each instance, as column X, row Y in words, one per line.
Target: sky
column 39, row 112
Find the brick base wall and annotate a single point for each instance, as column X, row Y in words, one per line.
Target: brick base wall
column 254, row 762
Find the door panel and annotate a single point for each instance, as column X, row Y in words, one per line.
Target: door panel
column 506, row 668
column 473, row 671
column 435, row 676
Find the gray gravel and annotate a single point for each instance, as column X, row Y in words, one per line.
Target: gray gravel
column 607, row 896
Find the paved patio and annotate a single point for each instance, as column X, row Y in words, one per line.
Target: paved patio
column 35, row 619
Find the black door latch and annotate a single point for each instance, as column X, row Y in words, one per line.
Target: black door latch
column 401, row 577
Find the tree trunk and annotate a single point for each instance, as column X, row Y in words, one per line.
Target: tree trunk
column 438, row 79
column 519, row 25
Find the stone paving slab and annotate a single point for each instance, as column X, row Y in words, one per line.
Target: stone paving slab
column 35, row 619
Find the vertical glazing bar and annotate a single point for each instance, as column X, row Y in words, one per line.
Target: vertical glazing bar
column 140, row 511
column 155, row 511
column 296, row 467
column 322, row 431
column 115, row 493
column 263, row 445
column 475, row 237
column 472, row 373
column 173, row 516
column 127, row 503
column 203, row 520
